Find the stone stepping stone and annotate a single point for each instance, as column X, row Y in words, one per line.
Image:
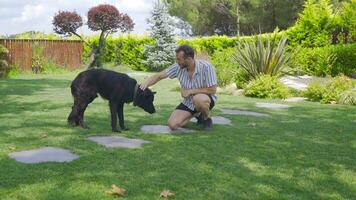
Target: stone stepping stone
column 46, row 154
column 272, row 105
column 295, row 99
column 216, row 120
column 160, row 129
column 117, row 141
column 243, row 112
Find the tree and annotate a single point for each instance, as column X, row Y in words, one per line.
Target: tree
column 161, row 54
column 343, row 20
column 322, row 22
column 105, row 18
column 231, row 17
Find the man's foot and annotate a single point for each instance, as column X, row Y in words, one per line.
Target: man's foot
column 207, row 124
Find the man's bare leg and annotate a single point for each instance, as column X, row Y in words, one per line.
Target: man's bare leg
column 202, row 104
column 178, row 119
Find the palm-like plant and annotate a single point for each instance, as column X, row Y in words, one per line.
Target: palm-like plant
column 262, row 57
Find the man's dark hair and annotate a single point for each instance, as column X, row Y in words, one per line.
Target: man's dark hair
column 187, row 50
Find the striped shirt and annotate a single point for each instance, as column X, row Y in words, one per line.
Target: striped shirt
column 204, row 76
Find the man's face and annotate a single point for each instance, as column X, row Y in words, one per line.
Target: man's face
column 181, row 60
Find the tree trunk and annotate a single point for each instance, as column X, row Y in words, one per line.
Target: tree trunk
column 238, row 22
column 98, row 52
column 346, row 33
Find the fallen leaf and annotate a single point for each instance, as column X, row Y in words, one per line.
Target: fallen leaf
column 166, row 194
column 115, row 190
column 44, row 135
column 252, row 124
column 12, row 148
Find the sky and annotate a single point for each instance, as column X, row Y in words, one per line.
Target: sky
column 17, row 16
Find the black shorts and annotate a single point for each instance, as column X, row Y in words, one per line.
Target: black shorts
column 181, row 106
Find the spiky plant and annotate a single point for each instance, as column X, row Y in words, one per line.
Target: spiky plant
column 262, row 57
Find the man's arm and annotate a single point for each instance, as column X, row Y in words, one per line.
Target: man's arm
column 207, row 90
column 153, row 79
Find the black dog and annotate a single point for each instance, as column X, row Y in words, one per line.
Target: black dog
column 116, row 87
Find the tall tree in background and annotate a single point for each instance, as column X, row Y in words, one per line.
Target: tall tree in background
column 105, row 18
column 323, row 22
column 161, row 53
column 226, row 17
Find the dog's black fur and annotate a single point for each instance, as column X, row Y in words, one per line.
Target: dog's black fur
column 116, row 87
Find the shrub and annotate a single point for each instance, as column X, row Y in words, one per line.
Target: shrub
column 348, row 97
column 314, row 61
column 266, row 86
column 322, row 23
column 314, row 92
column 38, row 58
column 327, row 61
column 345, row 59
column 313, row 28
column 226, row 69
column 335, row 87
column 330, row 92
column 14, row 71
column 261, row 57
column 41, row 64
column 4, row 67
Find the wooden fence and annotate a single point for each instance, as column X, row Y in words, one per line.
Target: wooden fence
column 65, row 53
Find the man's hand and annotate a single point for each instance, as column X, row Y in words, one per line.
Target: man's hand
column 153, row 79
column 145, row 84
column 209, row 90
column 186, row 93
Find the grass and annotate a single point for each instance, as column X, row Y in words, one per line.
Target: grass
column 304, row 152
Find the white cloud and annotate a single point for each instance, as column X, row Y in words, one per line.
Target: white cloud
column 140, row 6
column 18, row 16
column 30, row 12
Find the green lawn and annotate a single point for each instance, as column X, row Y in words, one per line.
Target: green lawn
column 305, row 152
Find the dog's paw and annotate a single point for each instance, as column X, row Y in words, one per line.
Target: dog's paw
column 72, row 124
column 116, row 131
column 83, row 125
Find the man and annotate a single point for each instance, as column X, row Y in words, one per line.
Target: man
column 198, row 81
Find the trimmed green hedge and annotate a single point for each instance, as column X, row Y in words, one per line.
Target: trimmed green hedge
column 321, row 61
column 127, row 50
column 331, row 60
column 218, row 43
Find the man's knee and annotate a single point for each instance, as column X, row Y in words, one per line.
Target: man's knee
column 201, row 101
column 173, row 124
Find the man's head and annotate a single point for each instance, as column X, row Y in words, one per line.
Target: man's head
column 184, row 55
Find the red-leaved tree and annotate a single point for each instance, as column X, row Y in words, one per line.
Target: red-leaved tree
column 105, row 18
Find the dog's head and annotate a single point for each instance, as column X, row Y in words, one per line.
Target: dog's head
column 144, row 99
